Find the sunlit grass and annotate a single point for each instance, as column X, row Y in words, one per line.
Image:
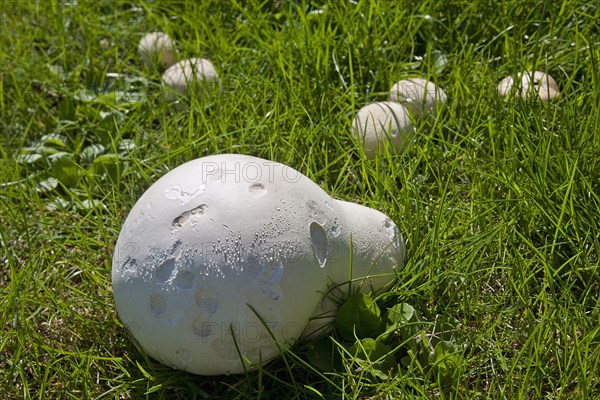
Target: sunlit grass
column 499, row 199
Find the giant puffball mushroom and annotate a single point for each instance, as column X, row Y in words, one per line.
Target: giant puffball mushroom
column 420, row 96
column 378, row 124
column 224, row 260
column 156, row 48
column 189, row 76
column 528, row 84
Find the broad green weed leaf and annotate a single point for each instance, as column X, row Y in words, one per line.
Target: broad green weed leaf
column 85, row 96
column 57, row 70
column 88, row 204
column 28, row 158
column 440, row 60
column 397, row 317
column 57, row 204
column 445, row 359
column 369, row 349
column 324, row 356
column 359, row 313
column 374, row 355
column 47, row 185
column 67, row 109
column 64, row 168
column 91, row 152
column 54, row 139
column 400, row 314
column 107, row 165
column 125, row 147
column 41, row 149
column 109, row 127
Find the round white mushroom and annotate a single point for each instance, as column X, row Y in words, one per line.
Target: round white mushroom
column 228, row 256
column 378, row 125
column 530, row 84
column 157, row 49
column 187, row 76
column 420, row 96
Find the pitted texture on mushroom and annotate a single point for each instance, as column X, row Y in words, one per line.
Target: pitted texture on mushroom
column 379, row 251
column 421, row 97
column 156, row 48
column 227, row 252
column 530, row 84
column 188, row 76
column 382, row 124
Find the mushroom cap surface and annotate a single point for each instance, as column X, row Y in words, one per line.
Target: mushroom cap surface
column 191, row 75
column 420, row 96
column 529, row 84
column 378, row 124
column 156, row 48
column 231, row 253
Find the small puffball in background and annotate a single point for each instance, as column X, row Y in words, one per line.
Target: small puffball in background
column 106, row 44
column 529, row 83
column 156, row 48
column 418, row 95
column 189, row 76
column 377, row 123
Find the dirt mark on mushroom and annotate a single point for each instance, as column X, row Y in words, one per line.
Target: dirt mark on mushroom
column 175, row 192
column 257, row 190
column 318, row 239
column 187, row 216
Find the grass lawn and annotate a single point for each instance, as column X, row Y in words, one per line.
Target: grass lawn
column 498, row 199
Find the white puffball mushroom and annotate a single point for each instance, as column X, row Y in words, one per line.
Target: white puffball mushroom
column 382, row 123
column 191, row 75
column 529, row 84
column 157, row 48
column 227, row 257
column 420, row 96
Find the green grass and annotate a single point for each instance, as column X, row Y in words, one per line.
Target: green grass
column 499, row 199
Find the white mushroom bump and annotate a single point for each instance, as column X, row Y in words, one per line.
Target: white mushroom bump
column 156, row 48
column 383, row 123
column 226, row 254
column 420, row 96
column 187, row 76
column 529, row 84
